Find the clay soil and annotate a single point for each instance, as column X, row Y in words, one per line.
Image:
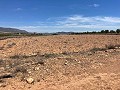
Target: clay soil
column 60, row 62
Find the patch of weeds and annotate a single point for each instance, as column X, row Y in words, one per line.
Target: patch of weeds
column 25, row 56
column 97, row 49
column 19, row 56
column 15, row 57
column 51, row 55
column 11, row 44
column 14, row 63
column 20, row 69
column 111, row 46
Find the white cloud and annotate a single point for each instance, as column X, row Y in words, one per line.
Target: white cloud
column 75, row 23
column 82, row 20
column 18, row 9
column 95, row 5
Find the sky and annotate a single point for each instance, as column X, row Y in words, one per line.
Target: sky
column 60, row 15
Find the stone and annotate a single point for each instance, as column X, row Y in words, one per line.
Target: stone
column 79, row 62
column 47, row 70
column 30, row 80
column 65, row 63
column 37, row 68
column 29, row 72
column 34, row 54
column 7, row 66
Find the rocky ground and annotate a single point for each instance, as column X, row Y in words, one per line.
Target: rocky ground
column 63, row 62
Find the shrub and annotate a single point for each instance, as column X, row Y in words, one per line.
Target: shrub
column 19, row 56
column 97, row 49
column 15, row 57
column 20, row 69
column 111, row 46
column 49, row 55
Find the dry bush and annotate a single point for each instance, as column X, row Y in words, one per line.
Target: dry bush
column 20, row 69
column 19, row 56
column 51, row 55
column 11, row 44
column 97, row 49
column 112, row 46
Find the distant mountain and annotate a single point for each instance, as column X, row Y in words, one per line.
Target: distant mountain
column 11, row 30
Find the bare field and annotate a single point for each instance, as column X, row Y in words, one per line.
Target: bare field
column 63, row 62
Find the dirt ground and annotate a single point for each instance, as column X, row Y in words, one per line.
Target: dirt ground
column 60, row 62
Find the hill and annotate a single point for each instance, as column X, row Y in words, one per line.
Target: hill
column 11, row 30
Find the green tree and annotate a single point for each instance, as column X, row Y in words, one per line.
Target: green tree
column 112, row 31
column 118, row 31
column 106, row 31
column 102, row 31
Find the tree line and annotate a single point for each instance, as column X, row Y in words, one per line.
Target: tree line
column 110, row 31
column 98, row 32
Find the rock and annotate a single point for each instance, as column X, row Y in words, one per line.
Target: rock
column 47, row 70
column 37, row 68
column 106, row 55
column 29, row 72
column 30, row 80
column 65, row 63
column 41, row 62
column 116, row 47
column 7, row 66
column 79, row 62
column 34, row 54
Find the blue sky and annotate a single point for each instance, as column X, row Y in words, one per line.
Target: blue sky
column 60, row 15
